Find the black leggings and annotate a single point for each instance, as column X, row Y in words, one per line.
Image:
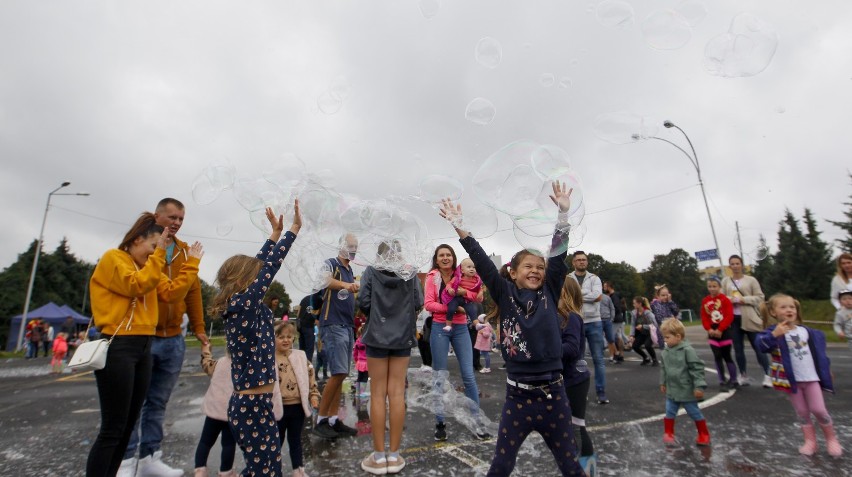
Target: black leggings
column 291, row 424
column 122, row 386
column 578, row 395
column 209, row 433
column 722, row 356
column 641, row 340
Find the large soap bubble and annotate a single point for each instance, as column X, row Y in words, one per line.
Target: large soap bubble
column 254, row 194
column 480, row 111
column 287, row 172
column 622, row 127
column 479, row 219
column 666, row 29
column 745, row 50
column 221, row 174
column 614, row 13
column 488, row 52
column 549, row 161
column 203, row 190
column 692, row 11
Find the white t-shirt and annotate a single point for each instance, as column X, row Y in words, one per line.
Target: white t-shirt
column 804, row 369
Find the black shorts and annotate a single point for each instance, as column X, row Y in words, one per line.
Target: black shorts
column 387, row 353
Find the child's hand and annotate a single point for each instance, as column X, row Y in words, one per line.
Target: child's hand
column 461, row 291
column 663, row 388
column 453, row 213
column 277, row 223
column 451, row 291
column 561, row 196
column 196, row 250
column 781, row 329
column 206, row 348
column 699, row 394
column 315, row 402
column 297, row 218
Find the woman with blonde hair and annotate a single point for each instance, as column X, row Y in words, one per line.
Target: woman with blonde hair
column 842, row 280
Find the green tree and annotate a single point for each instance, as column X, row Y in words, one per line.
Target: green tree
column 678, row 270
column 802, row 267
column 820, row 267
column 624, row 277
column 846, row 242
column 276, row 290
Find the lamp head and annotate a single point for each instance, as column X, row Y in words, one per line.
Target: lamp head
column 83, row 193
column 668, row 124
column 65, row 184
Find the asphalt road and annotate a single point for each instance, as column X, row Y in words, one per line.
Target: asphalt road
column 47, row 425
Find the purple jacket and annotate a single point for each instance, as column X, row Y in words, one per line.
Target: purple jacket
column 816, row 342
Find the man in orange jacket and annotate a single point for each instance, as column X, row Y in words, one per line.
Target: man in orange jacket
column 167, row 353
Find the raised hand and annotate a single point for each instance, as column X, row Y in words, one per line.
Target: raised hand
column 453, row 213
column 561, row 196
column 196, row 250
column 297, row 218
column 277, row 222
column 163, row 239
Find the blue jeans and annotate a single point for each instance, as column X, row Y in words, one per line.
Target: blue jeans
column 607, row 331
column 740, row 336
column 594, row 335
column 167, row 361
column 440, row 343
column 338, row 341
column 691, row 408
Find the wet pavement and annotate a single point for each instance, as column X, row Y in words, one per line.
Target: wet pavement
column 47, row 424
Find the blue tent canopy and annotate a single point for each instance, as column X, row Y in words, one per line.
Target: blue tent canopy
column 52, row 313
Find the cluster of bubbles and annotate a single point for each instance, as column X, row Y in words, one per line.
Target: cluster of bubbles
column 517, row 181
column 662, row 29
column 623, row 127
column 435, row 393
column 745, row 49
column 332, row 99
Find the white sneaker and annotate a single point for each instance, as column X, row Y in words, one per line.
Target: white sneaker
column 128, row 468
column 425, row 368
column 743, row 380
column 153, row 466
column 767, row 381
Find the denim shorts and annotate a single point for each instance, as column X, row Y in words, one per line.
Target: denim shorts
column 382, row 353
column 338, row 341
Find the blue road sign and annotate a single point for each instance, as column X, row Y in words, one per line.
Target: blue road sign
column 704, row 255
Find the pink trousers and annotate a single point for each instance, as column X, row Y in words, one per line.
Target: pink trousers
column 808, row 400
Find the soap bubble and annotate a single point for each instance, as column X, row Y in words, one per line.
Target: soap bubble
column 287, row 172
column 429, row 8
column 565, row 82
column 511, row 161
column 624, row 127
column 538, row 236
column 547, row 80
column 745, row 50
column 614, row 13
column 488, row 52
column 203, row 191
column 480, row 111
column 761, row 252
column 339, row 88
column 666, row 29
column 329, row 104
column 479, row 220
column 342, row 294
column 255, row 194
column 224, row 228
column 517, row 193
column 692, row 11
column 435, row 187
column 221, row 174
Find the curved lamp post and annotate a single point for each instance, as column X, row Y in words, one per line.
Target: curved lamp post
column 693, row 159
column 35, row 260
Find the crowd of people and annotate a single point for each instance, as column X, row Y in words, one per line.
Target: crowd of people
column 544, row 320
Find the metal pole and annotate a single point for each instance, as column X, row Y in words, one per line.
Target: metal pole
column 739, row 239
column 35, row 266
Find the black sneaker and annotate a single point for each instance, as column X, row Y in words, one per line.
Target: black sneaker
column 440, row 431
column 324, row 430
column 645, row 362
column 723, row 388
column 655, row 363
column 343, row 430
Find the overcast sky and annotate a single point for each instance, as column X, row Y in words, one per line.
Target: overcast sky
column 131, row 100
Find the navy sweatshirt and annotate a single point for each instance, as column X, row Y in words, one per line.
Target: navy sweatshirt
column 529, row 321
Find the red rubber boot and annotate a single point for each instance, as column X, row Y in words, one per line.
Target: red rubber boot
column 668, row 437
column 703, row 434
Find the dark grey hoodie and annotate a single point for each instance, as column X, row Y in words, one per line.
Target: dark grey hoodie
column 390, row 304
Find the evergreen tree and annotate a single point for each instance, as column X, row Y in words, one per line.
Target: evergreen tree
column 764, row 268
column 821, row 267
column 678, row 270
column 845, row 243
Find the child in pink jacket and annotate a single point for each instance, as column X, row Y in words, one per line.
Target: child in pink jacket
column 359, row 355
column 483, row 341
column 60, row 349
column 464, row 286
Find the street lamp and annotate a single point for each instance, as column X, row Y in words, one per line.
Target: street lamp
column 35, row 260
column 693, row 159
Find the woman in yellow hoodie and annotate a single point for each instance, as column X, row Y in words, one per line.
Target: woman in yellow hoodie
column 124, row 289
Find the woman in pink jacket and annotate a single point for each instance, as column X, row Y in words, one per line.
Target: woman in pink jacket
column 444, row 264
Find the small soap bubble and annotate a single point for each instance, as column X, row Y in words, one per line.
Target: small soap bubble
column 488, row 52
column 383, row 319
column 745, row 50
column 761, row 252
column 429, row 8
column 480, row 111
column 614, row 14
column 309, row 309
column 343, row 294
column 329, row 104
column 547, row 80
column 693, row 11
column 224, row 228
column 339, row 88
column 666, row 29
column 565, row 82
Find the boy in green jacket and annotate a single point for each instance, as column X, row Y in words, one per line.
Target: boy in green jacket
column 682, row 381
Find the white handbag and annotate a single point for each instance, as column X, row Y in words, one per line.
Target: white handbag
column 92, row 355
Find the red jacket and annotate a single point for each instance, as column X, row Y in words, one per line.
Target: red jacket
column 717, row 312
